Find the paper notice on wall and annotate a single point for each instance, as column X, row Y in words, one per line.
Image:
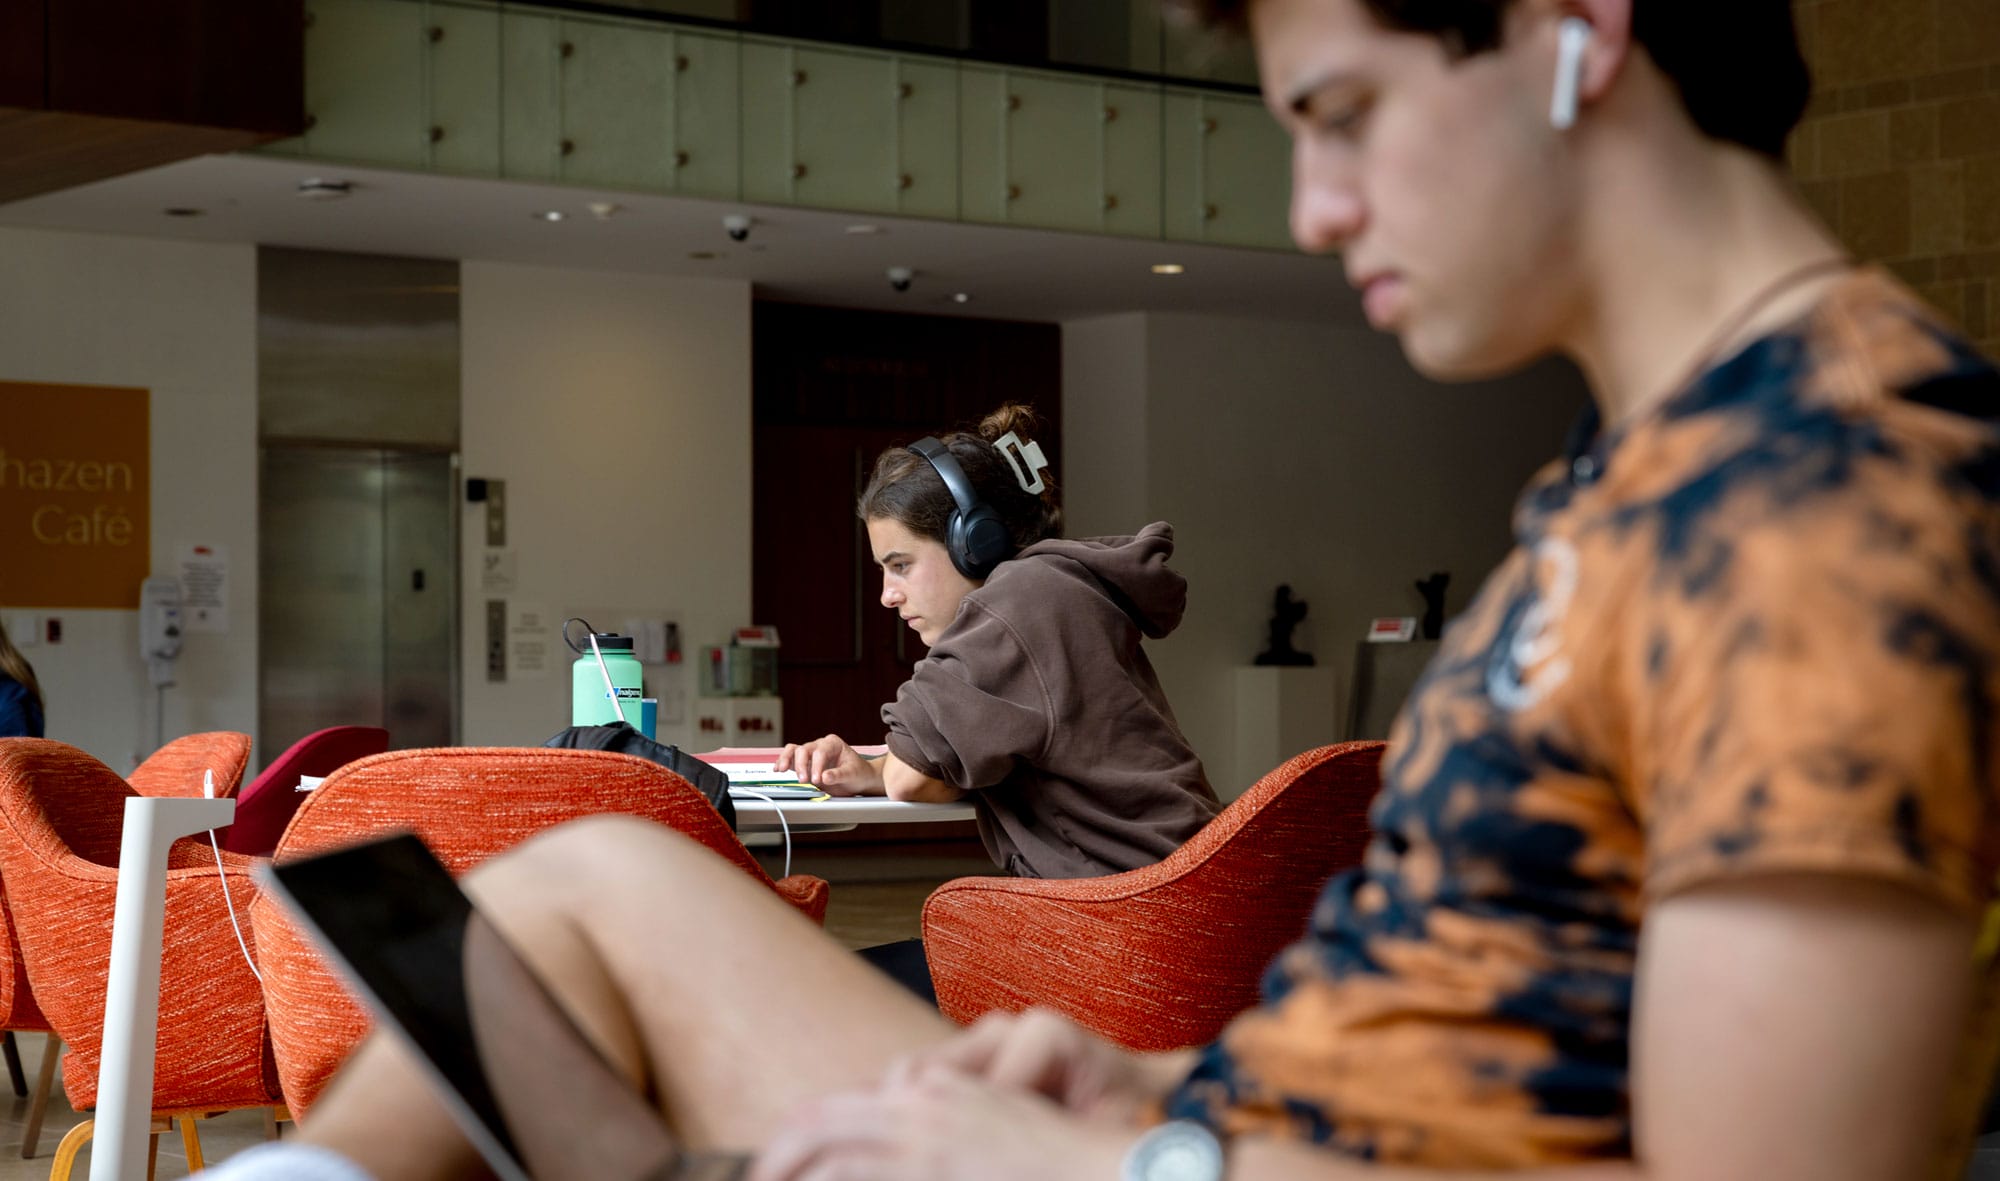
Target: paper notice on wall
column 205, row 587
column 530, row 641
column 497, row 572
column 649, row 639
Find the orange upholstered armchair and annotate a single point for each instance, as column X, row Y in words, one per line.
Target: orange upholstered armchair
column 20, row 1014
column 61, row 815
column 1161, row 957
column 175, row 769
column 467, row 804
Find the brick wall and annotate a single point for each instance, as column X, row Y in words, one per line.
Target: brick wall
column 1900, row 150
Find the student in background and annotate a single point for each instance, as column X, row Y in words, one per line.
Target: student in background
column 1036, row 700
column 20, row 694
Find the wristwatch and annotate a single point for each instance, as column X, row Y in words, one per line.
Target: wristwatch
column 1178, row 1150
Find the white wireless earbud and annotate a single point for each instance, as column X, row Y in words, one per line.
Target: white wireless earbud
column 1572, row 39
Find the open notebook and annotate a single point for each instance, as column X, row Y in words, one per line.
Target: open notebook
column 748, row 781
column 750, row 767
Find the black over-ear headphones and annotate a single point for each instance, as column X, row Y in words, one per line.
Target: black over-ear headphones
column 977, row 539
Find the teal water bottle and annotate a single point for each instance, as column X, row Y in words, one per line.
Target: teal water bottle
column 591, row 703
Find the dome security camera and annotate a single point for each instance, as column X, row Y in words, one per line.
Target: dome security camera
column 738, row 227
column 899, row 278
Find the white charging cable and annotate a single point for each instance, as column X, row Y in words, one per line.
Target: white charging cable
column 222, row 875
column 783, row 825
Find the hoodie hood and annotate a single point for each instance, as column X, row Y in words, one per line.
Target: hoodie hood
column 1131, row 571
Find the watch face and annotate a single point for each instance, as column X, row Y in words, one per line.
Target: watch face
column 1177, row 1151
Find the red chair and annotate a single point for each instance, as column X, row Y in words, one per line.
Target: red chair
column 176, row 768
column 61, row 816
column 266, row 806
column 20, row 1014
column 468, row 805
column 1162, row 957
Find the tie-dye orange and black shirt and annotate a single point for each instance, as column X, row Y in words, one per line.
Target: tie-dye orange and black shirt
column 1754, row 629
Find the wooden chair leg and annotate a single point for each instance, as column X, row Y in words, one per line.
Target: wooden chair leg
column 66, row 1151
column 152, row 1156
column 191, row 1141
column 38, row 1106
column 270, row 1123
column 12, row 1052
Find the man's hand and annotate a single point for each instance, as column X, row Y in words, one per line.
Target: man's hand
column 942, row 1125
column 1044, row 1053
column 832, row 766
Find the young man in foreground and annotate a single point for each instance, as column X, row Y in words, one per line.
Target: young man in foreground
column 1682, row 839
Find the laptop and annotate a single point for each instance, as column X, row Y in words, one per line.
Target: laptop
column 529, row 1090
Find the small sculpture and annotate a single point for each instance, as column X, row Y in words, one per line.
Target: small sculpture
column 1286, row 612
column 1432, row 589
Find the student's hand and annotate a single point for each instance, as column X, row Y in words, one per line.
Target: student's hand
column 942, row 1125
column 832, row 766
column 1044, row 1053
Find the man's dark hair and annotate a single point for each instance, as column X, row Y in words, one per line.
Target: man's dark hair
column 1736, row 62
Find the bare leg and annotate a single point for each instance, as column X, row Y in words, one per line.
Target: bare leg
column 707, row 989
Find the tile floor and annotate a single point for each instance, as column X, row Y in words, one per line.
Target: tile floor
column 859, row 913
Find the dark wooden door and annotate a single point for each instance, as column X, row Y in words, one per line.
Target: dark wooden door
column 834, row 388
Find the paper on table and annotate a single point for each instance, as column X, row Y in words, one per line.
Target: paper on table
column 758, row 773
column 740, row 755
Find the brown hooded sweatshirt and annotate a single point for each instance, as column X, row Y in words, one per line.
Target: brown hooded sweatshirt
column 1038, row 701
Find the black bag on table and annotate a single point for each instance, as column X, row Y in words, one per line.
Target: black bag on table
column 622, row 738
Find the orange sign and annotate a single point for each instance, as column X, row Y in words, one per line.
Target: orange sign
column 75, row 495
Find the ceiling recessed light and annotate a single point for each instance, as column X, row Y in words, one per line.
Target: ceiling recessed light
column 184, row 211
column 548, row 215
column 604, row 210
column 314, row 188
column 864, row 229
column 960, row 297
column 1168, row 268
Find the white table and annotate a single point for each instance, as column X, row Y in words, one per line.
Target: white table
column 757, row 821
column 840, row 813
column 132, row 992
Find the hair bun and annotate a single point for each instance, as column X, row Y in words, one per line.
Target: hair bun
column 1021, row 419
column 1018, row 417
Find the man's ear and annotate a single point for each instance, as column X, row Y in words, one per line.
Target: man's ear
column 1610, row 43
column 1604, row 55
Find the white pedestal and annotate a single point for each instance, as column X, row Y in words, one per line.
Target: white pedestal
column 132, row 995
column 1384, row 675
column 1280, row 712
